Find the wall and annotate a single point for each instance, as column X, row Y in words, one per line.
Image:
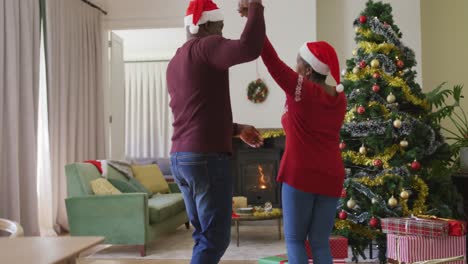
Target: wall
column 445, row 45
column 126, row 14
column 151, row 44
column 335, row 25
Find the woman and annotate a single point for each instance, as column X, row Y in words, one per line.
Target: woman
column 312, row 171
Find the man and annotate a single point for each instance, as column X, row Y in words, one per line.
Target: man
column 198, row 83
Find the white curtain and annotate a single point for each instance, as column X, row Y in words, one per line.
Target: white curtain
column 148, row 116
column 74, row 92
column 19, row 86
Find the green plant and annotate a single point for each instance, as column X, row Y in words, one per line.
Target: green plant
column 457, row 134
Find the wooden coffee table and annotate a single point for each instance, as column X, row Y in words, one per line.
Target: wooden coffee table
column 252, row 218
column 45, row 249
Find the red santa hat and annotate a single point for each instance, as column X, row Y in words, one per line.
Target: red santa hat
column 201, row 11
column 323, row 59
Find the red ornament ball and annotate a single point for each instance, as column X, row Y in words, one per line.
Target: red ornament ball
column 376, row 88
column 344, row 193
column 362, row 64
column 361, row 110
column 378, row 163
column 374, row 222
column 376, row 75
column 416, row 165
column 342, row 145
column 343, row 215
column 363, row 19
column 400, row 64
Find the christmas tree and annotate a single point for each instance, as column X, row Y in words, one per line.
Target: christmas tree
column 391, row 141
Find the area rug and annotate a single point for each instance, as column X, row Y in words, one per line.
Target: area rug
column 256, row 241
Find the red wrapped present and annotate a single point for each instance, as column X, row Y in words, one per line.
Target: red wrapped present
column 456, row 227
column 415, row 226
column 338, row 246
column 411, row 249
column 283, row 259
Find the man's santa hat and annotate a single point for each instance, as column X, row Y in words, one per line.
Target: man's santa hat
column 322, row 57
column 201, row 11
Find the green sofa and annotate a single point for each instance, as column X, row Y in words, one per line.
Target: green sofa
column 127, row 218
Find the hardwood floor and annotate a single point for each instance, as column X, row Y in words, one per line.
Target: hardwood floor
column 152, row 261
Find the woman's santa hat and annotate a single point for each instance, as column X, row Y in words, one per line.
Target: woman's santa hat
column 201, row 11
column 322, row 57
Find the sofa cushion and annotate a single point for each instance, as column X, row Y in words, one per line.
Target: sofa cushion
column 151, row 177
column 112, row 173
column 164, row 206
column 129, row 186
column 103, row 187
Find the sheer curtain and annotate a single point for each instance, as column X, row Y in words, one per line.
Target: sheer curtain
column 74, row 94
column 148, row 116
column 19, row 87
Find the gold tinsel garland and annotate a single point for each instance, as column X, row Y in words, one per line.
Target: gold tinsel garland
column 392, row 81
column 273, row 133
column 419, row 206
column 359, row 159
column 365, row 32
column 370, row 47
column 417, row 184
column 384, row 109
column 350, row 115
column 358, row 229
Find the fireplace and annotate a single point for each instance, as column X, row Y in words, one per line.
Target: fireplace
column 255, row 172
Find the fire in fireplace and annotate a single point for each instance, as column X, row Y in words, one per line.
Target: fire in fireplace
column 256, row 176
column 262, row 180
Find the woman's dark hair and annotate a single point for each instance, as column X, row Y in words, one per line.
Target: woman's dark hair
column 315, row 75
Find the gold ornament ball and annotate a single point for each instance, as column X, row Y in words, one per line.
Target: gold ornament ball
column 392, row 202
column 375, row 63
column 374, row 201
column 356, row 70
column 351, row 204
column 404, row 195
column 363, row 150
column 397, row 123
column 404, row 143
column 355, row 52
column 356, row 29
column 391, row 98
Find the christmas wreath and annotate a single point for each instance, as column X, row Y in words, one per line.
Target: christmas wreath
column 257, row 91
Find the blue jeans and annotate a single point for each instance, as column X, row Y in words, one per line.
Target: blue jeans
column 206, row 183
column 307, row 216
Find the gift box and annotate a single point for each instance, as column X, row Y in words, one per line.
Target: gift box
column 415, row 226
column 411, row 249
column 283, row 259
column 456, row 227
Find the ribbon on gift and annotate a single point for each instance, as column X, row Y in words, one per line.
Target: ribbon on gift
column 439, row 261
column 456, row 227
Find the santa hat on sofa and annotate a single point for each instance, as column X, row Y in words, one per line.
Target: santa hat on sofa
column 322, row 57
column 201, row 11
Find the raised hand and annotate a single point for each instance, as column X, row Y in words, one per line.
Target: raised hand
column 243, row 8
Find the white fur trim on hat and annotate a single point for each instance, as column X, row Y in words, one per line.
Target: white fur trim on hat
column 315, row 63
column 213, row 16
